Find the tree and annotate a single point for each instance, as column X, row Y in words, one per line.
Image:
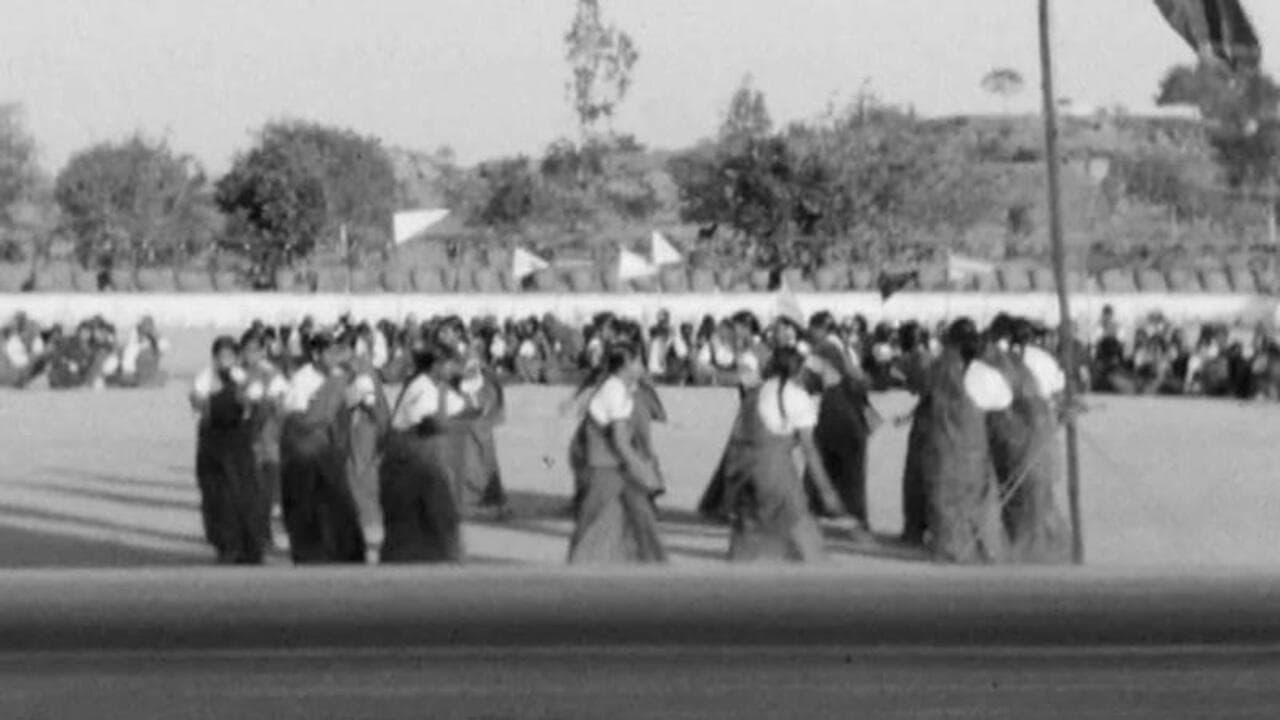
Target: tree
column 135, row 201
column 1004, row 83
column 298, row 188
column 19, row 180
column 1242, row 112
column 748, row 116
column 601, row 58
column 18, row 170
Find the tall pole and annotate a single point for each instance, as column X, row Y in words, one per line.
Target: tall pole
column 1066, row 333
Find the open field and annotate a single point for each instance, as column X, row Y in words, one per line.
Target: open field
column 106, row 479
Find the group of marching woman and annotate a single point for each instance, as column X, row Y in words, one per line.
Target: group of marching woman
column 317, row 441
column 324, row 450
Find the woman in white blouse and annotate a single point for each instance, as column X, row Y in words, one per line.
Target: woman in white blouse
column 320, row 512
column 769, row 510
column 615, row 520
column 420, row 514
column 963, row 498
column 230, row 495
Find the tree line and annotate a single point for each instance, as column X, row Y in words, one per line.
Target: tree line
column 863, row 182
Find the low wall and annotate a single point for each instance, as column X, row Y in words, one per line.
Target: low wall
column 233, row 310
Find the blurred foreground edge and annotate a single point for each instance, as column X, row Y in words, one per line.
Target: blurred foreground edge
column 441, row 609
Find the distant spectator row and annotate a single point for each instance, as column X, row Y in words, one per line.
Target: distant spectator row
column 1012, row 278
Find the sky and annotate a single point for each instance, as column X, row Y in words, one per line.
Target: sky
column 487, row 77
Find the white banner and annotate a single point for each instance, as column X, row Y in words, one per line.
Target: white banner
column 237, row 310
column 661, row 251
column 525, row 263
column 631, row 266
column 405, row 225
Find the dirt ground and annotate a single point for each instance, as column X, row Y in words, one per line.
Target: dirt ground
column 106, row 478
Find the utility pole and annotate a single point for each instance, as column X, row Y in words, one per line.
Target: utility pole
column 1066, row 332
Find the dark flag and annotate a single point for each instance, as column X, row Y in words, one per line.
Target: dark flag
column 1217, row 28
column 890, row 283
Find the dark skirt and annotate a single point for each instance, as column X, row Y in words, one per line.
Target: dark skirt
column 419, row 514
column 915, row 504
column 234, row 503
column 320, row 513
column 734, row 461
column 1038, row 531
column 472, row 457
column 362, row 467
column 771, row 520
column 616, row 522
column 841, row 436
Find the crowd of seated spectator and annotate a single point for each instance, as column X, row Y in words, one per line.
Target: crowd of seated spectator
column 91, row 355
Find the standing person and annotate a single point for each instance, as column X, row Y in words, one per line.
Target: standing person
column 266, row 390
column 368, row 415
column 770, row 517
column 320, row 513
column 960, row 482
column 845, row 423
column 473, row 452
column 1038, row 531
column 750, row 360
column 615, row 521
column 915, row 365
column 230, row 495
column 420, row 514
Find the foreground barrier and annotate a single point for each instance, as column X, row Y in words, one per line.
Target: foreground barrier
column 200, row 609
column 231, row 310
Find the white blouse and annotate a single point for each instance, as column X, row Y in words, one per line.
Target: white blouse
column 1050, row 379
column 611, row 403
column 303, row 386
column 796, row 410
column 986, row 387
column 421, row 400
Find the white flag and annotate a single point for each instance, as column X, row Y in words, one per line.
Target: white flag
column 632, row 266
column 661, row 251
column 525, row 263
column 406, row 225
column 787, row 305
column 960, row 267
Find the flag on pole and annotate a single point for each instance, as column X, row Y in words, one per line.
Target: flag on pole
column 661, row 252
column 787, row 305
column 1219, row 29
column 960, row 267
column 891, row 283
column 406, row 225
column 632, row 266
column 525, row 263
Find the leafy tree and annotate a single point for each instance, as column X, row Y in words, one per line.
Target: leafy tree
column 601, row 58
column 748, row 115
column 135, row 201
column 1242, row 112
column 870, row 174
column 18, row 171
column 277, row 210
column 298, row 187
column 19, row 181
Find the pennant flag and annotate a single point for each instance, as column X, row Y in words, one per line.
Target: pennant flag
column 406, row 225
column 525, row 263
column 787, row 305
column 960, row 267
column 1219, row 29
column 661, row 251
column 632, row 266
column 890, row 283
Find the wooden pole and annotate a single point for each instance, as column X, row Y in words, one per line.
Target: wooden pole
column 1066, row 333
